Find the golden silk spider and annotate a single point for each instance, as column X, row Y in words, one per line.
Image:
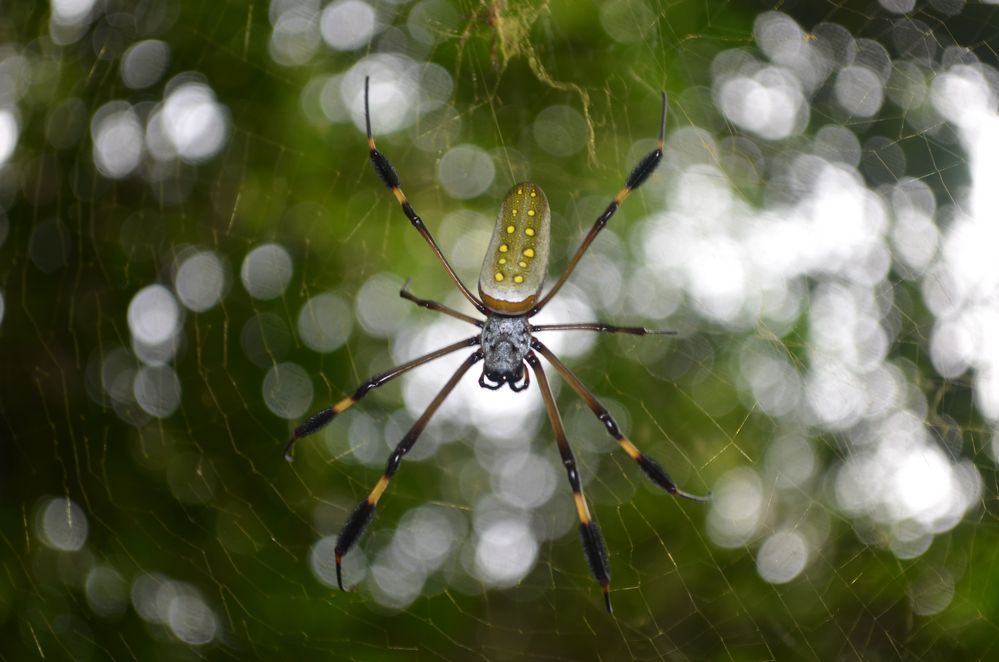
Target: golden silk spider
column 510, row 284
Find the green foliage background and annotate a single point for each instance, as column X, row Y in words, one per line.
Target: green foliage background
column 309, row 187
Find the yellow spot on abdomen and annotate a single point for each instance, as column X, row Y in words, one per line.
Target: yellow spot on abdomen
column 518, row 279
column 528, row 252
column 498, row 277
column 510, row 229
column 529, row 232
column 502, row 260
column 530, row 212
column 504, row 248
column 523, row 265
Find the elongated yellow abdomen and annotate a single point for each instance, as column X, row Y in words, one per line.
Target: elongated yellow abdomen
column 517, row 260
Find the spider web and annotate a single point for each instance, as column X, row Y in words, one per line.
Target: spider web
column 196, row 256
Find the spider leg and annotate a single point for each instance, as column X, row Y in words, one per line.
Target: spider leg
column 601, row 327
column 438, row 307
column 365, row 510
column 593, row 544
column 648, row 465
column 322, row 417
column 491, row 385
column 388, row 175
column 642, row 171
column 525, row 378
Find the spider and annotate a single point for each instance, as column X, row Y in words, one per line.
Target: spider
column 510, row 284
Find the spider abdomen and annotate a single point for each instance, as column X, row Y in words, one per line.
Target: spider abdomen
column 516, row 262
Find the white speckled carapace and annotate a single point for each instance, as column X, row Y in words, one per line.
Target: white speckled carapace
column 516, row 262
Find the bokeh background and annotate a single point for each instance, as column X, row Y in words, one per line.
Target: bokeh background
column 195, row 255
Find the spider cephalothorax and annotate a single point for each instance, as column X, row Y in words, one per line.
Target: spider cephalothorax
column 510, row 283
column 505, row 344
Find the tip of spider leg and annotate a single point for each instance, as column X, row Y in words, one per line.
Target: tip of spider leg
column 693, row 497
column 607, row 601
column 289, row 450
column 367, row 115
column 339, row 575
